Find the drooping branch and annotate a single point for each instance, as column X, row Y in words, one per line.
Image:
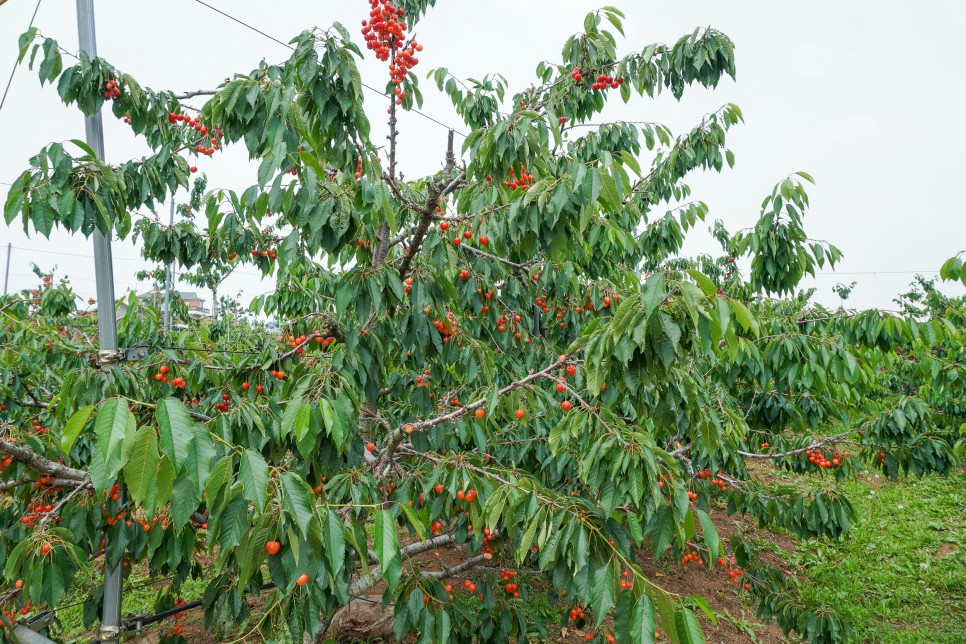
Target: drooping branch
column 801, row 450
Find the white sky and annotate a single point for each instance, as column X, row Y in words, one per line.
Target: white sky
column 865, row 95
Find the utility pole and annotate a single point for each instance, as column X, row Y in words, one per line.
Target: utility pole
column 167, row 283
column 110, row 628
column 6, row 273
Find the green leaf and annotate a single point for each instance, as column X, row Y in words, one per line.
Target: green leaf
column 661, row 530
column 643, row 621
column 220, row 475
column 177, row 430
column 443, row 628
column 74, row 427
column 201, row 454
column 290, row 416
column 687, row 627
column 654, row 292
column 253, row 475
column 707, row 286
column 609, row 198
column 711, row 539
column 333, row 423
column 297, row 500
column 110, row 426
column 386, row 547
column 53, row 584
column 602, row 591
column 744, row 317
column 184, row 501
column 414, row 520
column 333, row 536
column 141, row 469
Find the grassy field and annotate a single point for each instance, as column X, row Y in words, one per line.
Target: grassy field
column 900, row 575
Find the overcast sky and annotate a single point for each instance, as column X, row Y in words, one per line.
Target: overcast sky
column 867, row 96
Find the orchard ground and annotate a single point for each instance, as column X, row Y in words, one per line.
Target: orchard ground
column 900, row 575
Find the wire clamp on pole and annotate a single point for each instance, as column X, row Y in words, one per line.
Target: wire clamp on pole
column 108, row 357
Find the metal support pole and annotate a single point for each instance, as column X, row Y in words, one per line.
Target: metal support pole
column 167, row 283
column 6, row 274
column 110, row 628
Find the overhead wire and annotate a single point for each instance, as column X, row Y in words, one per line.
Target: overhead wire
column 284, row 44
column 17, row 62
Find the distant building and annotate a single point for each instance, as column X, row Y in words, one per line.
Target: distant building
column 194, row 302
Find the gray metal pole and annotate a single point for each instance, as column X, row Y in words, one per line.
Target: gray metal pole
column 6, row 274
column 167, row 283
column 106, row 312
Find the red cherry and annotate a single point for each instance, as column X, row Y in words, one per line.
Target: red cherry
column 273, row 547
column 565, row 405
column 301, row 581
column 371, row 447
column 520, row 413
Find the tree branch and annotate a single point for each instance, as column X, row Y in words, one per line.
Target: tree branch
column 197, row 92
column 436, row 191
column 409, row 428
column 38, row 463
column 802, row 450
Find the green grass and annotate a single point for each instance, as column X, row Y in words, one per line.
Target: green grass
column 887, row 575
column 140, row 593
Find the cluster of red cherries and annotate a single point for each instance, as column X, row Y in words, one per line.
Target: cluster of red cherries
column 36, row 511
column 162, row 376
column 269, row 254
column 111, row 90
column 215, row 132
column 524, row 181
column 37, row 428
column 178, row 627
column 510, row 588
column 706, row 474
column 386, row 31
column 815, row 457
column 224, row 404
